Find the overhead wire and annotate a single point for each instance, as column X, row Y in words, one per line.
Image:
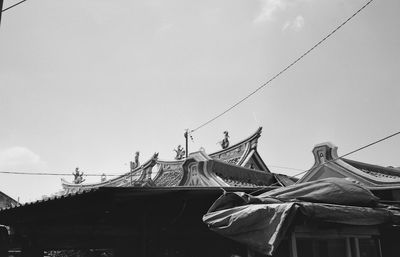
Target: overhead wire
column 283, row 70
column 5, row 9
column 233, row 106
column 56, row 174
column 284, row 167
column 107, row 174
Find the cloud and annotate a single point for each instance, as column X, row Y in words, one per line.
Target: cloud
column 102, row 12
column 20, row 158
column 164, row 28
column 269, row 8
column 297, row 24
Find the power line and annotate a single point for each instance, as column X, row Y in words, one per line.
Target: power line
column 283, row 70
column 234, row 105
column 98, row 174
column 13, row 6
column 283, row 167
column 56, row 174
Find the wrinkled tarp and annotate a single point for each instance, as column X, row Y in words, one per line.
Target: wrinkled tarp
column 262, row 221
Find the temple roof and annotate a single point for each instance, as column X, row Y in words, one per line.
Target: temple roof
column 159, row 173
column 285, row 180
column 7, row 201
column 328, row 164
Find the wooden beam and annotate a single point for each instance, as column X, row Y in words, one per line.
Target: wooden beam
column 293, row 245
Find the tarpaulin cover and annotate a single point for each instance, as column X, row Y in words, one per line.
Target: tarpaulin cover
column 262, row 221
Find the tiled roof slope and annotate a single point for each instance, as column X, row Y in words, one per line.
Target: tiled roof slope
column 328, row 164
column 285, row 180
column 7, row 201
column 126, row 180
column 385, row 173
column 202, row 170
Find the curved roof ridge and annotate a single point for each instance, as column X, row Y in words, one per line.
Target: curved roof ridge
column 170, row 161
column 239, row 173
column 67, row 183
column 326, row 161
column 154, row 160
column 254, row 136
column 117, row 178
column 374, row 167
column 362, row 175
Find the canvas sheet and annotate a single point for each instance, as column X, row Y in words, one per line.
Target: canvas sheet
column 262, row 221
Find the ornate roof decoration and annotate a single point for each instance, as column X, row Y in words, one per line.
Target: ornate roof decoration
column 136, row 163
column 225, row 142
column 128, row 179
column 238, row 165
column 78, row 176
column 327, row 164
column 180, row 153
column 241, row 153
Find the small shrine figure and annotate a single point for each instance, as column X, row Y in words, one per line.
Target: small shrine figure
column 78, row 176
column 180, row 153
column 225, row 142
column 135, row 164
column 103, row 177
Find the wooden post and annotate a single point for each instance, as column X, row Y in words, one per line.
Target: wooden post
column 4, row 241
column 187, row 141
column 293, row 245
column 348, row 247
column 357, row 247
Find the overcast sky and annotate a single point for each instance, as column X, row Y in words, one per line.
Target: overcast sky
column 89, row 82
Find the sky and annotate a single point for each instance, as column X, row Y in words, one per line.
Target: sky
column 88, row 83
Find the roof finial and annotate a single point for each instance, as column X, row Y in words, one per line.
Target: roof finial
column 103, row 177
column 180, row 153
column 225, row 142
column 135, row 164
column 78, row 176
